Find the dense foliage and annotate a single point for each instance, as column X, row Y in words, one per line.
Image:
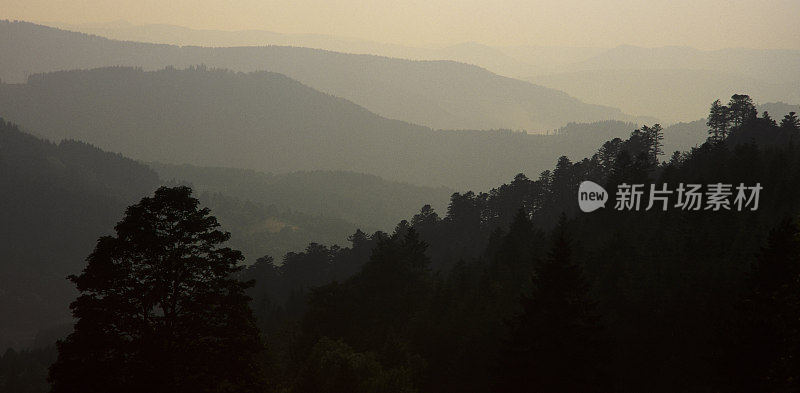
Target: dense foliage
column 516, row 290
column 494, row 297
column 160, row 309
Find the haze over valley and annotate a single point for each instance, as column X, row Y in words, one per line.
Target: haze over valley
column 371, row 197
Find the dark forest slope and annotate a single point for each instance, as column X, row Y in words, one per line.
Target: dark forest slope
column 56, row 201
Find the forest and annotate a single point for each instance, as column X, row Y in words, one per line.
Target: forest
column 505, row 290
column 549, row 196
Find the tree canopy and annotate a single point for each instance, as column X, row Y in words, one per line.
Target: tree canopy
column 160, row 308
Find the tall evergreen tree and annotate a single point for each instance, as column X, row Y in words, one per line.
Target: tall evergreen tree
column 555, row 343
column 718, row 122
column 767, row 119
column 160, row 309
column 654, row 136
column 742, row 110
column 790, row 122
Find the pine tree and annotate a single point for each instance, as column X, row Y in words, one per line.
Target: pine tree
column 655, row 137
column 742, row 110
column 718, row 122
column 160, row 309
column 790, row 122
column 554, row 343
column 767, row 119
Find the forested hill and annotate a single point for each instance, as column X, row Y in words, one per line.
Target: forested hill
column 56, row 201
column 438, row 94
column 543, row 295
column 267, row 122
column 617, row 300
column 370, row 201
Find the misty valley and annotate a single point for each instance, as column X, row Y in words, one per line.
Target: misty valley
column 189, row 210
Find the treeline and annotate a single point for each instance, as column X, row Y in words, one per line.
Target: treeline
column 511, row 290
column 360, row 198
column 57, row 198
column 514, row 290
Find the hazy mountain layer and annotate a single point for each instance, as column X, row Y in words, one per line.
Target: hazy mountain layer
column 438, row 94
column 772, row 65
column 494, row 59
column 264, row 121
column 669, row 94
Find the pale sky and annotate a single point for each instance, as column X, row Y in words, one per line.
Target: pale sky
column 704, row 24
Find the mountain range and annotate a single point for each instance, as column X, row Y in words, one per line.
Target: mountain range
column 436, row 94
column 670, row 83
column 267, row 122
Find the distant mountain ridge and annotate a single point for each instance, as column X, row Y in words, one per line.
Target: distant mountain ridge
column 263, row 121
column 437, row 94
column 677, row 83
column 670, row 94
column 492, row 58
column 768, row 64
column 268, row 122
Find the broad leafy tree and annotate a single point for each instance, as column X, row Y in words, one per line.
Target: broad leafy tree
column 160, row 309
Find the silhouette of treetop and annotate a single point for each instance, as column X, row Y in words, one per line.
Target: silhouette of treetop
column 160, row 308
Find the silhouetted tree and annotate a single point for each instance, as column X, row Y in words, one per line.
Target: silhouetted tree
column 426, row 220
column 742, row 110
column 655, row 136
column 358, row 238
column 160, row 309
column 555, row 342
column 718, row 122
column 790, row 122
column 767, row 119
column 607, row 155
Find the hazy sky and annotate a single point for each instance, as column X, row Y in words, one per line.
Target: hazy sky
column 706, row 24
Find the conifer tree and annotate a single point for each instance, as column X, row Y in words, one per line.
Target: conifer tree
column 555, row 341
column 718, row 122
column 790, row 122
column 742, row 110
